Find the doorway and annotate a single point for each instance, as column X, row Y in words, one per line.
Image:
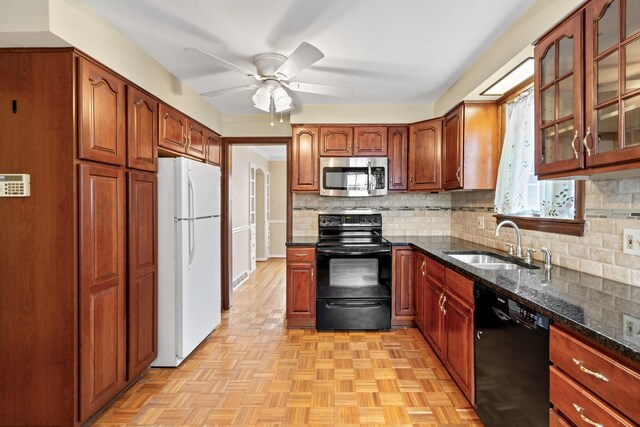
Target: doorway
column 256, row 207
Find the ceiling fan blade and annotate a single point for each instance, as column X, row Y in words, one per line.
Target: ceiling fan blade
column 320, row 89
column 304, row 55
column 224, row 63
column 229, row 90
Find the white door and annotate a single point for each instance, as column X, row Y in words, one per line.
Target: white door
column 199, row 294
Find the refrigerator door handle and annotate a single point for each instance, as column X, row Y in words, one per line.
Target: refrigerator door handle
column 192, row 234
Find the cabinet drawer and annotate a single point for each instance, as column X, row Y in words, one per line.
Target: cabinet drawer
column 435, row 270
column 604, row 376
column 459, row 284
column 556, row 420
column 578, row 405
column 301, row 254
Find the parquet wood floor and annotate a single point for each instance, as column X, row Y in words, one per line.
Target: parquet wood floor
column 253, row 372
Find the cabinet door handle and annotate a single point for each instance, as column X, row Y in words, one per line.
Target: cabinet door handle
column 588, row 371
column 440, row 301
column 573, row 146
column 300, row 255
column 444, row 308
column 312, row 274
column 458, row 174
column 580, row 411
column 584, row 141
column 424, row 263
column 411, row 179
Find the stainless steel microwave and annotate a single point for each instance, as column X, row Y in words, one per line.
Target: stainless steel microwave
column 353, row 176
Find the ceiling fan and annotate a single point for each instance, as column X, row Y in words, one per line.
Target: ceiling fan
column 273, row 72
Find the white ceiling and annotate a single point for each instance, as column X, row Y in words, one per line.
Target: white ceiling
column 388, row 52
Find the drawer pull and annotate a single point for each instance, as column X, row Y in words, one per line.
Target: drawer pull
column 580, row 411
column 589, row 372
column 300, row 255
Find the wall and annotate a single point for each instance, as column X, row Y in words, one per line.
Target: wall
column 278, row 208
column 256, row 125
column 403, row 214
column 361, row 113
column 241, row 157
column 73, row 23
column 611, row 206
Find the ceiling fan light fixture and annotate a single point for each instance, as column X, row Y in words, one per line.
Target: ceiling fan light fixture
column 262, row 98
column 281, row 99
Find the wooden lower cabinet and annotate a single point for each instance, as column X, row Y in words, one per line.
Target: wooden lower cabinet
column 556, row 420
column 142, row 291
column 434, row 320
column 458, row 329
column 402, row 293
column 102, row 296
column 301, row 287
column 447, row 319
column 606, row 387
column 420, row 278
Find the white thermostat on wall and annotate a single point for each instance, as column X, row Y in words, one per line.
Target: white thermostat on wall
column 15, row 185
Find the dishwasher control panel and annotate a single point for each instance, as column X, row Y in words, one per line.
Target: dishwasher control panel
column 528, row 317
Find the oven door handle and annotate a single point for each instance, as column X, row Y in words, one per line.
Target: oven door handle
column 369, row 177
column 353, row 305
column 355, row 253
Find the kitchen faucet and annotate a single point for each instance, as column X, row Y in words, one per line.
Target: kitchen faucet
column 518, row 236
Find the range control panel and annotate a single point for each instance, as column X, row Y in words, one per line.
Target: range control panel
column 361, row 220
column 15, row 185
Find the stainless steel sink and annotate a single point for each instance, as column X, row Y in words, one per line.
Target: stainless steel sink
column 489, row 261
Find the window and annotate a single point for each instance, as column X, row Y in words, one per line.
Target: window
column 539, row 205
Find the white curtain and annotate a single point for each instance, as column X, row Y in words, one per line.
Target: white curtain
column 516, row 162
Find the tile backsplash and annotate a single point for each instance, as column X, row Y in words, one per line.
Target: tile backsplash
column 610, row 207
column 403, row 214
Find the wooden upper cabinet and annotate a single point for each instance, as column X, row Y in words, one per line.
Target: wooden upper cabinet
column 102, row 305
column 559, row 99
column 304, row 159
column 173, row 129
column 470, row 153
column 142, row 131
column 101, row 114
column 612, row 60
column 214, row 145
column 452, row 150
column 196, row 140
column 143, row 271
column 336, row 141
column 398, row 147
column 370, row 141
column 425, row 144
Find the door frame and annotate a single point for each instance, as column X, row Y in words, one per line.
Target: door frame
column 226, row 240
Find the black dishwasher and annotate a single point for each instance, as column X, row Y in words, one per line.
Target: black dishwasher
column 511, row 362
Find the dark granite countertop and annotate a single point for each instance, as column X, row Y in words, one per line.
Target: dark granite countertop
column 590, row 305
column 302, row 241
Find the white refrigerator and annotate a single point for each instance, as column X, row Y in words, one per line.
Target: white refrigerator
column 189, row 305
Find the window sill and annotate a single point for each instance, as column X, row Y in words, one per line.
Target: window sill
column 571, row 227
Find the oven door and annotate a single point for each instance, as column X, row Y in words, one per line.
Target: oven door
column 353, row 176
column 361, row 272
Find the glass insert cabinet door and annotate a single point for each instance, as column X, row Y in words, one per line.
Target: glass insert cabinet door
column 612, row 61
column 558, row 99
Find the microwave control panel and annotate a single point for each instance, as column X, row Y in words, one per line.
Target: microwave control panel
column 15, row 185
